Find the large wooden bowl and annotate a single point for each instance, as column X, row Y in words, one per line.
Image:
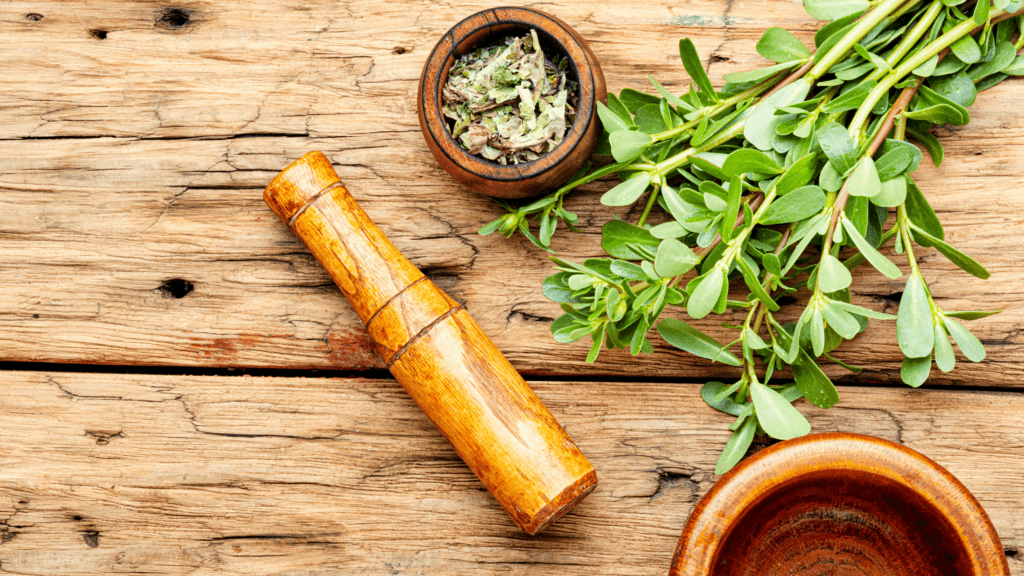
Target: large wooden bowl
column 551, row 169
column 839, row 504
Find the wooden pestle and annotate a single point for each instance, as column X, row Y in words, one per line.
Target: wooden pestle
column 437, row 352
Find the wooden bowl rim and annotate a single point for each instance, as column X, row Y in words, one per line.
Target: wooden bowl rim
column 481, row 167
column 714, row 516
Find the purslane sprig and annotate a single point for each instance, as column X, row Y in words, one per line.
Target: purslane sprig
column 784, row 179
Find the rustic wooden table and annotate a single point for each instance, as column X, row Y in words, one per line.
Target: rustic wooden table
column 183, row 391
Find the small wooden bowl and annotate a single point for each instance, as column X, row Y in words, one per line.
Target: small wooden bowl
column 841, row 504
column 525, row 179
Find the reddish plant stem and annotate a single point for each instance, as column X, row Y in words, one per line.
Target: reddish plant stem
column 754, row 205
column 796, row 75
column 702, row 252
column 759, row 310
column 883, row 132
column 899, row 106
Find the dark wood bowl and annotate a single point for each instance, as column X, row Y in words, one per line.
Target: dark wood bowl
column 839, row 504
column 525, row 179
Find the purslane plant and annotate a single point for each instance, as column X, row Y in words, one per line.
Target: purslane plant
column 784, row 179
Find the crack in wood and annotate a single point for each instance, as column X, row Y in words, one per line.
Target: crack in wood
column 526, row 316
column 103, row 437
column 668, row 479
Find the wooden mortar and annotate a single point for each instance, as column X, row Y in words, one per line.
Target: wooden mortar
column 842, row 504
column 437, row 352
column 528, row 178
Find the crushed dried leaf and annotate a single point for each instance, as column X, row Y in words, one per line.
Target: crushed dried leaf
column 508, row 103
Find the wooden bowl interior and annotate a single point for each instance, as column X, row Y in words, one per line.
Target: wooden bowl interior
column 488, row 35
column 843, row 523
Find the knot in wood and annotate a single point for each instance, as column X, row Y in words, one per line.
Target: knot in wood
column 173, row 19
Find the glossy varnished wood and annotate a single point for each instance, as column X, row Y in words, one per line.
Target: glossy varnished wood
column 839, row 504
column 437, row 352
column 551, row 169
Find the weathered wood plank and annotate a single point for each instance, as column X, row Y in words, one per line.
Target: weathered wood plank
column 157, row 185
column 286, row 66
column 227, row 475
column 91, row 229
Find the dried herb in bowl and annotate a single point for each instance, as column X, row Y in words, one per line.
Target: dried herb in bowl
column 508, row 102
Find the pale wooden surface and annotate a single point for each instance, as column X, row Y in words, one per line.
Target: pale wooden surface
column 140, row 157
column 242, row 475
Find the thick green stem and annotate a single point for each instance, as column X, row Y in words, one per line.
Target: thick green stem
column 911, row 38
column 861, row 29
column 844, row 194
column 718, row 108
column 669, row 164
column 766, row 281
column 857, row 125
column 870, row 20
column 650, row 205
column 903, row 221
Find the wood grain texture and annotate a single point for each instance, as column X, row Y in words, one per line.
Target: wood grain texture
column 138, row 159
column 172, row 475
column 517, row 180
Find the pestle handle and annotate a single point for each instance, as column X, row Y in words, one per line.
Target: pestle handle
column 437, row 352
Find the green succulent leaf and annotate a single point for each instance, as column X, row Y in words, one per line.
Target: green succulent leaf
column 674, row 258
column 832, row 275
column 628, row 144
column 777, row 416
column 915, row 371
column 963, row 261
column 967, row 50
column 758, row 74
column 839, row 320
column 957, row 87
column 894, row 163
column 747, row 160
column 737, row 446
column 813, row 383
column 798, row 205
column 864, row 181
column 706, row 294
column 881, row 263
column 623, row 240
column 1003, row 59
column 750, row 278
column 633, row 100
column 716, row 395
column 798, row 175
column 695, row 68
column 759, row 127
column 851, row 99
column 689, row 339
column 611, row 121
column 835, row 9
column 972, row 314
column 945, row 358
column 780, row 45
column 627, row 192
column 835, row 141
column 1016, row 68
column 967, row 342
column 914, row 320
column 921, row 212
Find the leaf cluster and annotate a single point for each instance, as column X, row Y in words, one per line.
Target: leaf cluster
column 786, row 180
